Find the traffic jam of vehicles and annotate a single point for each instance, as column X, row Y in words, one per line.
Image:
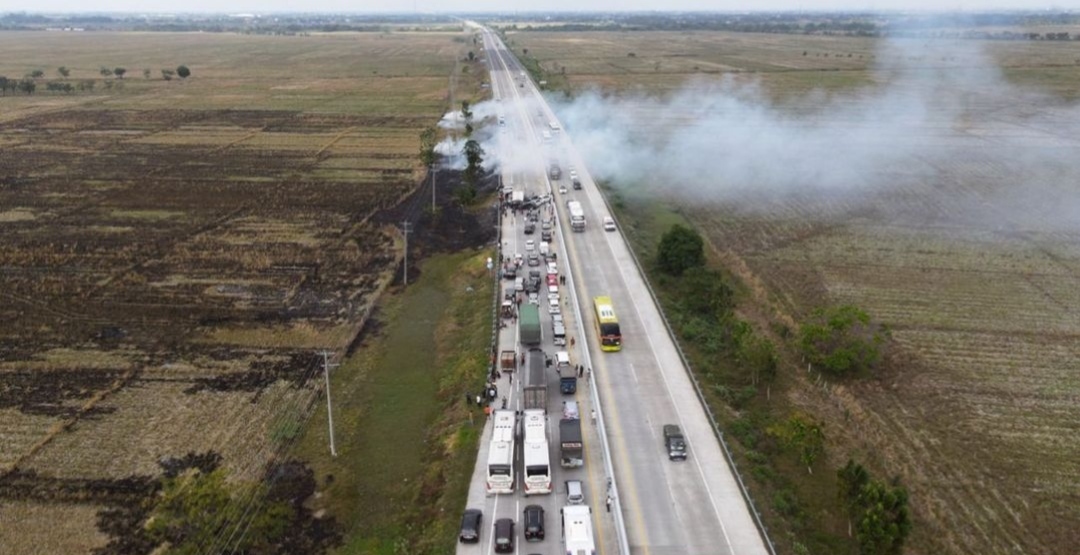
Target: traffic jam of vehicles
column 525, row 442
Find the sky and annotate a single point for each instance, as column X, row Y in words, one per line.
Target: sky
column 266, row 6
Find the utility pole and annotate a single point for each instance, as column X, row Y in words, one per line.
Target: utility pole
column 329, row 408
column 433, row 174
column 405, row 267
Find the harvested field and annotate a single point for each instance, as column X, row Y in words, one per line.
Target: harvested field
column 176, row 253
column 966, row 249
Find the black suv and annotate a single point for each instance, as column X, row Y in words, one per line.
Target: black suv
column 470, row 526
column 534, row 523
column 504, row 535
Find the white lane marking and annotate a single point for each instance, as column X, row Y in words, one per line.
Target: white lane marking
column 633, row 371
column 667, row 386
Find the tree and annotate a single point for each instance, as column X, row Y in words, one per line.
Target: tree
column 880, row 510
column 707, row 293
column 146, row 73
column 27, row 86
column 884, row 522
column 105, row 72
column 758, row 355
column 119, row 72
column 474, row 159
column 4, row 84
column 472, row 56
column 680, row 249
column 842, row 340
column 63, row 71
column 852, row 477
column 167, row 74
column 803, row 435
column 183, row 71
column 36, row 74
column 427, row 146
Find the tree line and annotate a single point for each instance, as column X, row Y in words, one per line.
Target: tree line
column 28, row 83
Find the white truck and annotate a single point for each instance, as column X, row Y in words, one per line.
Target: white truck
column 577, row 215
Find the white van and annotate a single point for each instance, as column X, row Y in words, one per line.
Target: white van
column 609, row 223
column 545, row 248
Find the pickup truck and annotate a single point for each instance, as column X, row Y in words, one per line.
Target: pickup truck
column 674, row 442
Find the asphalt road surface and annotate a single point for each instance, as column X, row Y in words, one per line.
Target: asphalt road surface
column 669, row 507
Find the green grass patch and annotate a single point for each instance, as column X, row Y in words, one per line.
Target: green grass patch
column 801, row 510
column 406, row 442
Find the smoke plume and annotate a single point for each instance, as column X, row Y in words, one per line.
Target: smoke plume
column 939, row 119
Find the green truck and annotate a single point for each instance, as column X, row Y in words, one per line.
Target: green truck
column 529, row 331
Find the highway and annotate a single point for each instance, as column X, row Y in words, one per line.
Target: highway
column 668, row 507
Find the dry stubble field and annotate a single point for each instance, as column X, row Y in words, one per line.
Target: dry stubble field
column 175, row 253
column 976, row 276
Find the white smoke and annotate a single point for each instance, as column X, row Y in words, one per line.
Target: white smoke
column 941, row 116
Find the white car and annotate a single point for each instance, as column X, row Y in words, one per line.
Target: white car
column 562, row 189
column 553, row 306
column 530, row 245
column 609, row 223
column 534, row 299
column 552, row 269
column 573, row 173
column 553, row 290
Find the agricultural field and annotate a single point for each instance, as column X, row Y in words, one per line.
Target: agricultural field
column 962, row 239
column 177, row 252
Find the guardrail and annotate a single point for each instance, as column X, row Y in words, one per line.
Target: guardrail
column 762, row 530
column 609, row 469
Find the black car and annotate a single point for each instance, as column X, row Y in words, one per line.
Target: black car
column 470, row 526
column 534, row 523
column 504, row 535
column 530, row 229
column 545, row 235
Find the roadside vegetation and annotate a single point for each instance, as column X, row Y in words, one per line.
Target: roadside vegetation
column 736, row 356
column 407, row 440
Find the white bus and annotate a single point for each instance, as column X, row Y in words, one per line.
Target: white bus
column 536, row 454
column 500, row 467
column 577, row 215
column 577, row 530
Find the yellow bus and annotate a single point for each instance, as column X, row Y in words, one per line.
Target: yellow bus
column 607, row 325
